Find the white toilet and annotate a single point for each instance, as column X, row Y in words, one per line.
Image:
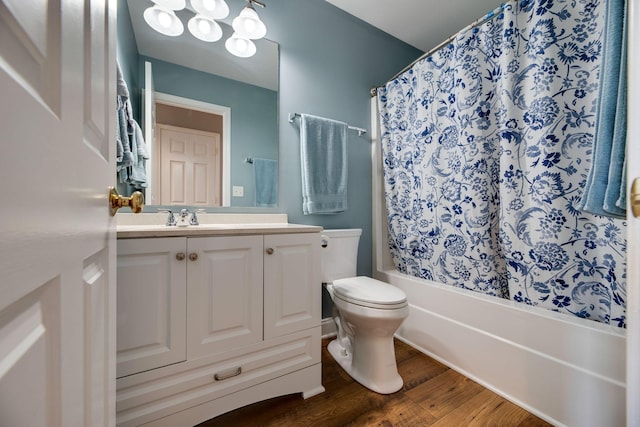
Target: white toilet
column 367, row 313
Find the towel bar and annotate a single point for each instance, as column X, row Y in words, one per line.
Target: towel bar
column 360, row 131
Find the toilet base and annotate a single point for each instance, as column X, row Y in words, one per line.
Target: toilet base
column 345, row 360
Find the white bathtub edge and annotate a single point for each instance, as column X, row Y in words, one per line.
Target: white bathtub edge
column 564, row 388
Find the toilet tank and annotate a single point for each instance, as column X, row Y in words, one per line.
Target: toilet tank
column 340, row 256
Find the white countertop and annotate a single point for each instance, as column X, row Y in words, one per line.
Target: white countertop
column 203, row 230
column 130, row 226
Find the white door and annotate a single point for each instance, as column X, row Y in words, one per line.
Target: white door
column 57, row 251
column 190, row 170
column 633, row 229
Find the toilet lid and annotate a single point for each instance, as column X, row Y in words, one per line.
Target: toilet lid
column 369, row 292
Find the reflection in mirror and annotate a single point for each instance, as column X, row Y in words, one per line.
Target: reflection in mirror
column 201, row 99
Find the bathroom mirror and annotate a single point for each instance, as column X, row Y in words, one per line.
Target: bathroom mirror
column 200, row 87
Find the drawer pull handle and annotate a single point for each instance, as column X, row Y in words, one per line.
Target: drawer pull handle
column 228, row 374
column 193, row 256
column 270, row 251
column 180, row 256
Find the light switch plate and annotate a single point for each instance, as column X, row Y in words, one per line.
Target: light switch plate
column 238, row 191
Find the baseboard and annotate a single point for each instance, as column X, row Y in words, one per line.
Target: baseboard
column 328, row 328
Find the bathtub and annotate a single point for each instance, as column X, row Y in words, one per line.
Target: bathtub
column 568, row 371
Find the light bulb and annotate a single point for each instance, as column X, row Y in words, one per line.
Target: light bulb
column 209, row 4
column 204, row 26
column 240, row 46
column 164, row 19
column 248, row 24
column 212, row 9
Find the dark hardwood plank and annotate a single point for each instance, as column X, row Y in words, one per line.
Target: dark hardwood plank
column 444, row 393
column 433, row 395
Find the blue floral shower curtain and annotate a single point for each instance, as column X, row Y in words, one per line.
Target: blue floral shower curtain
column 487, row 146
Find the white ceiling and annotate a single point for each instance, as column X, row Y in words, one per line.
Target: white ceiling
column 420, row 23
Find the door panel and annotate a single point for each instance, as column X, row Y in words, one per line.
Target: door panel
column 30, row 377
column 96, row 78
column 224, row 294
column 57, row 252
column 96, row 316
column 31, row 37
column 151, row 304
column 292, row 283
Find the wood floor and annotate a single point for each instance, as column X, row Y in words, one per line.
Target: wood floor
column 433, row 395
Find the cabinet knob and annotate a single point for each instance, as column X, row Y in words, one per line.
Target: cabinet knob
column 180, row 256
column 270, row 251
column 193, row 256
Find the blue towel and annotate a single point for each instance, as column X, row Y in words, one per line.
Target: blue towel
column 608, row 156
column 323, row 155
column 265, row 177
column 124, row 158
column 138, row 171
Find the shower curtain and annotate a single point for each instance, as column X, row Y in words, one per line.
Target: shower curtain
column 486, row 147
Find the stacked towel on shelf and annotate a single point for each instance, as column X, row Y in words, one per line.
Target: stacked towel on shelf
column 323, row 155
column 131, row 150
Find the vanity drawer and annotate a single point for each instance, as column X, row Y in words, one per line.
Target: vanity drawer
column 151, row 395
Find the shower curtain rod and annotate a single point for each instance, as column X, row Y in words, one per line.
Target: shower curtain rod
column 496, row 12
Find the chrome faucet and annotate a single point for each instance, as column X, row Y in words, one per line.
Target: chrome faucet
column 194, row 218
column 171, row 220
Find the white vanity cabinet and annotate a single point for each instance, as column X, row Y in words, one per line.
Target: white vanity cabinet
column 225, row 294
column 210, row 324
column 151, row 301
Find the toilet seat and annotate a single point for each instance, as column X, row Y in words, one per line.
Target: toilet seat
column 368, row 292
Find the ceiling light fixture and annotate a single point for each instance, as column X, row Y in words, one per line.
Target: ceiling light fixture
column 240, row 46
column 247, row 25
column 163, row 19
column 204, row 28
column 214, row 9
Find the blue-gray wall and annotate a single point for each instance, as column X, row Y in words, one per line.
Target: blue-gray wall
column 254, row 115
column 328, row 62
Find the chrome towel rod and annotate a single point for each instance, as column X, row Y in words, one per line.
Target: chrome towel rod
column 360, row 131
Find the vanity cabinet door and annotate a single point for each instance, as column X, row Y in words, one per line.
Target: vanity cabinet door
column 292, row 283
column 224, row 293
column 151, row 304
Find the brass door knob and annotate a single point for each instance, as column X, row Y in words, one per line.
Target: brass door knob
column 180, row 256
column 116, row 201
column 635, row 198
column 193, row 256
column 269, row 251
